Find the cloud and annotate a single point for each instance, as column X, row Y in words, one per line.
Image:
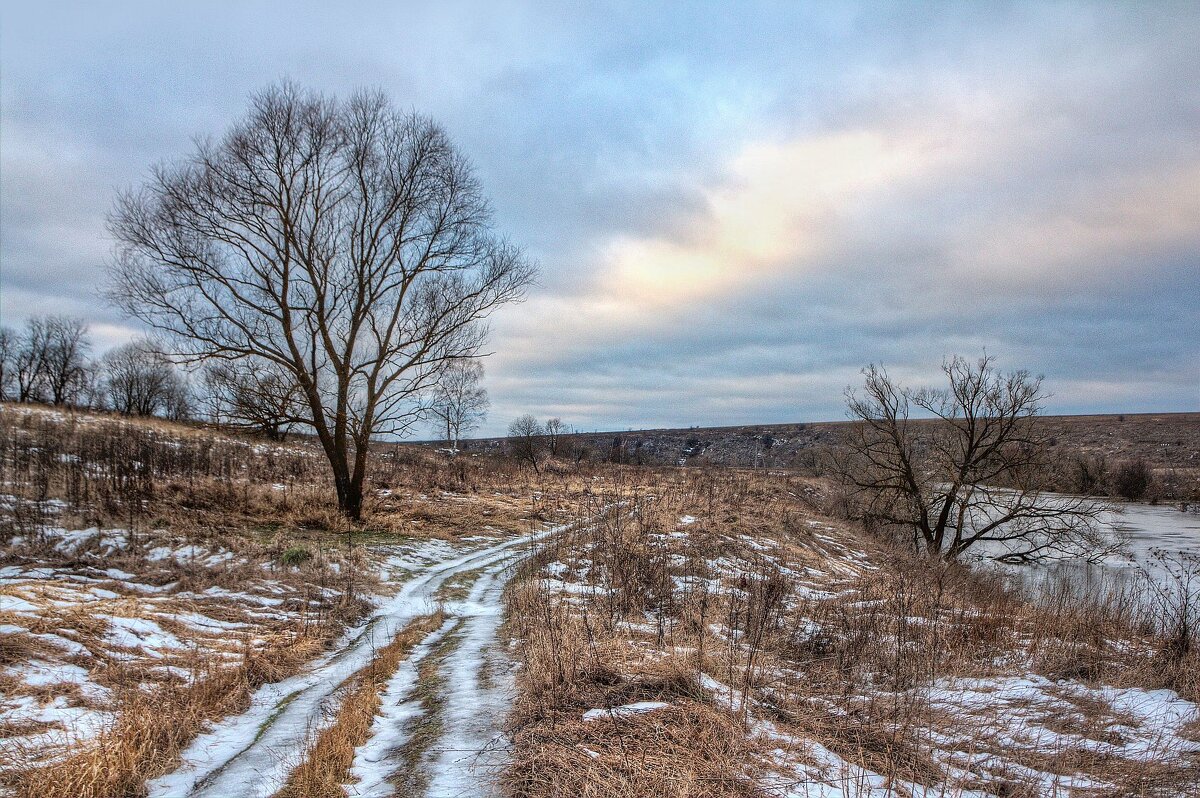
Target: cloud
column 733, row 212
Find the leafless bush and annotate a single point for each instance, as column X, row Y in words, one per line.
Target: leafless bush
column 1131, row 479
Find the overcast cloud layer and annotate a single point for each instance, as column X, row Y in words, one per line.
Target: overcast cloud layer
column 735, row 206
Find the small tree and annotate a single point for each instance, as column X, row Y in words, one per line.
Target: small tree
column 140, row 381
column 258, row 396
column 64, row 363
column 969, row 475
column 459, row 403
column 527, row 440
column 555, row 430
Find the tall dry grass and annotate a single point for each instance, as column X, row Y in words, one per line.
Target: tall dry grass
column 852, row 669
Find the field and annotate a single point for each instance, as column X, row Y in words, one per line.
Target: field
column 1169, row 443
column 183, row 612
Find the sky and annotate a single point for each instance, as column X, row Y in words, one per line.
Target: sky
column 734, row 207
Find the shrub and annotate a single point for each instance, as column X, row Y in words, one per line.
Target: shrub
column 1131, row 479
column 295, row 556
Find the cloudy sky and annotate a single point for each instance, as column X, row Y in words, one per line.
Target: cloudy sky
column 734, row 206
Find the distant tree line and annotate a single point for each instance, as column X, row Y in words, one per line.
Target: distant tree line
column 49, row 361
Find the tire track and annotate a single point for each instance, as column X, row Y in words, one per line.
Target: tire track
column 250, row 755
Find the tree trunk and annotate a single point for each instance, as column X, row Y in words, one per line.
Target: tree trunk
column 350, row 495
column 352, row 506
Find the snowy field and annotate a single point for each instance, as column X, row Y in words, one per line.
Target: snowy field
column 1011, row 721
column 87, row 614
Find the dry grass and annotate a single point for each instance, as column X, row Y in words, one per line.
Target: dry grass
column 688, row 749
column 326, row 764
column 16, row 648
column 268, row 510
column 147, row 474
column 831, row 636
column 151, row 730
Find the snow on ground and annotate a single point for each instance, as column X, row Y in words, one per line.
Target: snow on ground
column 624, row 711
column 374, row 760
column 252, row 754
column 478, row 690
column 1013, row 724
column 88, row 627
column 1014, row 714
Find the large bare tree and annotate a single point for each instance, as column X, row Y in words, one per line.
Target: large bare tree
column 970, row 473
column 343, row 242
column 459, row 402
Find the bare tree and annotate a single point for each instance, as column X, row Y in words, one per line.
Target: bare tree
column 527, row 440
column 29, row 361
column 968, row 476
column 140, row 381
column 179, row 402
column 9, row 342
column 91, row 391
column 341, row 241
column 555, row 430
column 64, row 363
column 257, row 395
column 459, row 403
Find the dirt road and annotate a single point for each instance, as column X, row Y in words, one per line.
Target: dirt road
column 252, row 754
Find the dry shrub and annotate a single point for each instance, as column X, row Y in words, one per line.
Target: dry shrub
column 688, row 750
column 560, row 651
column 573, row 662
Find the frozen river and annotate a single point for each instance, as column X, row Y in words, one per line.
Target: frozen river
column 1146, row 529
column 1158, row 526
